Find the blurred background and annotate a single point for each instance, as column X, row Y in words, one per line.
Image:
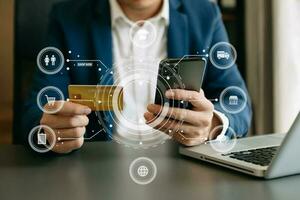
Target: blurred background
column 266, row 34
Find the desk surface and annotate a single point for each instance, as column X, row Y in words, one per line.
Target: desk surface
column 100, row 171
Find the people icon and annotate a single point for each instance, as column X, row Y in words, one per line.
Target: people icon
column 47, row 60
column 53, row 60
column 50, row 60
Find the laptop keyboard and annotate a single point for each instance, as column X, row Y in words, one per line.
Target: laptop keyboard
column 261, row 156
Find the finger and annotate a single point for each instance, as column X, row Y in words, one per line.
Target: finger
column 68, row 108
column 58, row 122
column 166, row 125
column 185, row 130
column 70, row 133
column 159, row 122
column 189, row 142
column 197, row 99
column 149, row 117
column 51, row 138
column 171, row 112
column 198, row 118
column 187, row 135
column 68, row 146
column 173, row 126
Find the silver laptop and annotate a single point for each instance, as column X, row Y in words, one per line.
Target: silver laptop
column 269, row 156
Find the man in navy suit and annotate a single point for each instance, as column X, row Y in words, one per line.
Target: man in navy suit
column 99, row 29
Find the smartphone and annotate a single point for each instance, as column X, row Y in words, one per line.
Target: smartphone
column 182, row 73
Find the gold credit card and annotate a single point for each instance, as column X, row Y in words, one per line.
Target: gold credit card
column 97, row 97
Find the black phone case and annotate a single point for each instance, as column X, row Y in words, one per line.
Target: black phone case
column 186, row 73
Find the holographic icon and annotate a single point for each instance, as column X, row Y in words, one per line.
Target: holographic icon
column 233, row 99
column 53, row 60
column 50, row 99
column 143, row 34
column 142, row 170
column 223, row 143
column 42, row 139
column 47, row 60
column 223, row 55
column 50, row 60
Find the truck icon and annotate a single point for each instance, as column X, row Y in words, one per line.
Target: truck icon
column 222, row 55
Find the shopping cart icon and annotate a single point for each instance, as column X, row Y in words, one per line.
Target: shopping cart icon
column 50, row 100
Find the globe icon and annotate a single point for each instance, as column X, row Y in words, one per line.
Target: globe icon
column 142, row 171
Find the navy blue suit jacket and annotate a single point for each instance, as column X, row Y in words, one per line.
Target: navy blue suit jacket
column 84, row 27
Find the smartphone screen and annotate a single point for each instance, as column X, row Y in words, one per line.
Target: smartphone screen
column 184, row 74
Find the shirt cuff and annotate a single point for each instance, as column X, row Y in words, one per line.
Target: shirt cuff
column 225, row 124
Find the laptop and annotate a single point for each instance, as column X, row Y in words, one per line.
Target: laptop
column 268, row 156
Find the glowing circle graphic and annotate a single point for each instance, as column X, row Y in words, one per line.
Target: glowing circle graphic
column 142, row 170
column 50, row 60
column 223, row 143
column 42, row 139
column 223, row 55
column 126, row 124
column 143, row 34
column 233, row 99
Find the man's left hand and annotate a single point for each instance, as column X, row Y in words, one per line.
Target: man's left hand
column 188, row 127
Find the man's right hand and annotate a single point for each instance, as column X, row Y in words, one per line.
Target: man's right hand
column 68, row 124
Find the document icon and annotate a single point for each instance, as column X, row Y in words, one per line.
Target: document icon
column 41, row 138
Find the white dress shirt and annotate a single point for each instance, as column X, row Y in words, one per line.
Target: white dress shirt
column 142, row 62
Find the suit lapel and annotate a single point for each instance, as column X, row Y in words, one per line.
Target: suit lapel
column 178, row 37
column 102, row 36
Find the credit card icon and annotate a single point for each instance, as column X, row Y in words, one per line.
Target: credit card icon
column 97, row 97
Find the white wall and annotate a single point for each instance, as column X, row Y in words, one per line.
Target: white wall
column 286, row 62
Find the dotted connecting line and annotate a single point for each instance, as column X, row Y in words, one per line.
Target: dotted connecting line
column 70, row 138
column 68, row 60
column 171, row 134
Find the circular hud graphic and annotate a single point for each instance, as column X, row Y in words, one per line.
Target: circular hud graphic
column 142, row 170
column 124, row 122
